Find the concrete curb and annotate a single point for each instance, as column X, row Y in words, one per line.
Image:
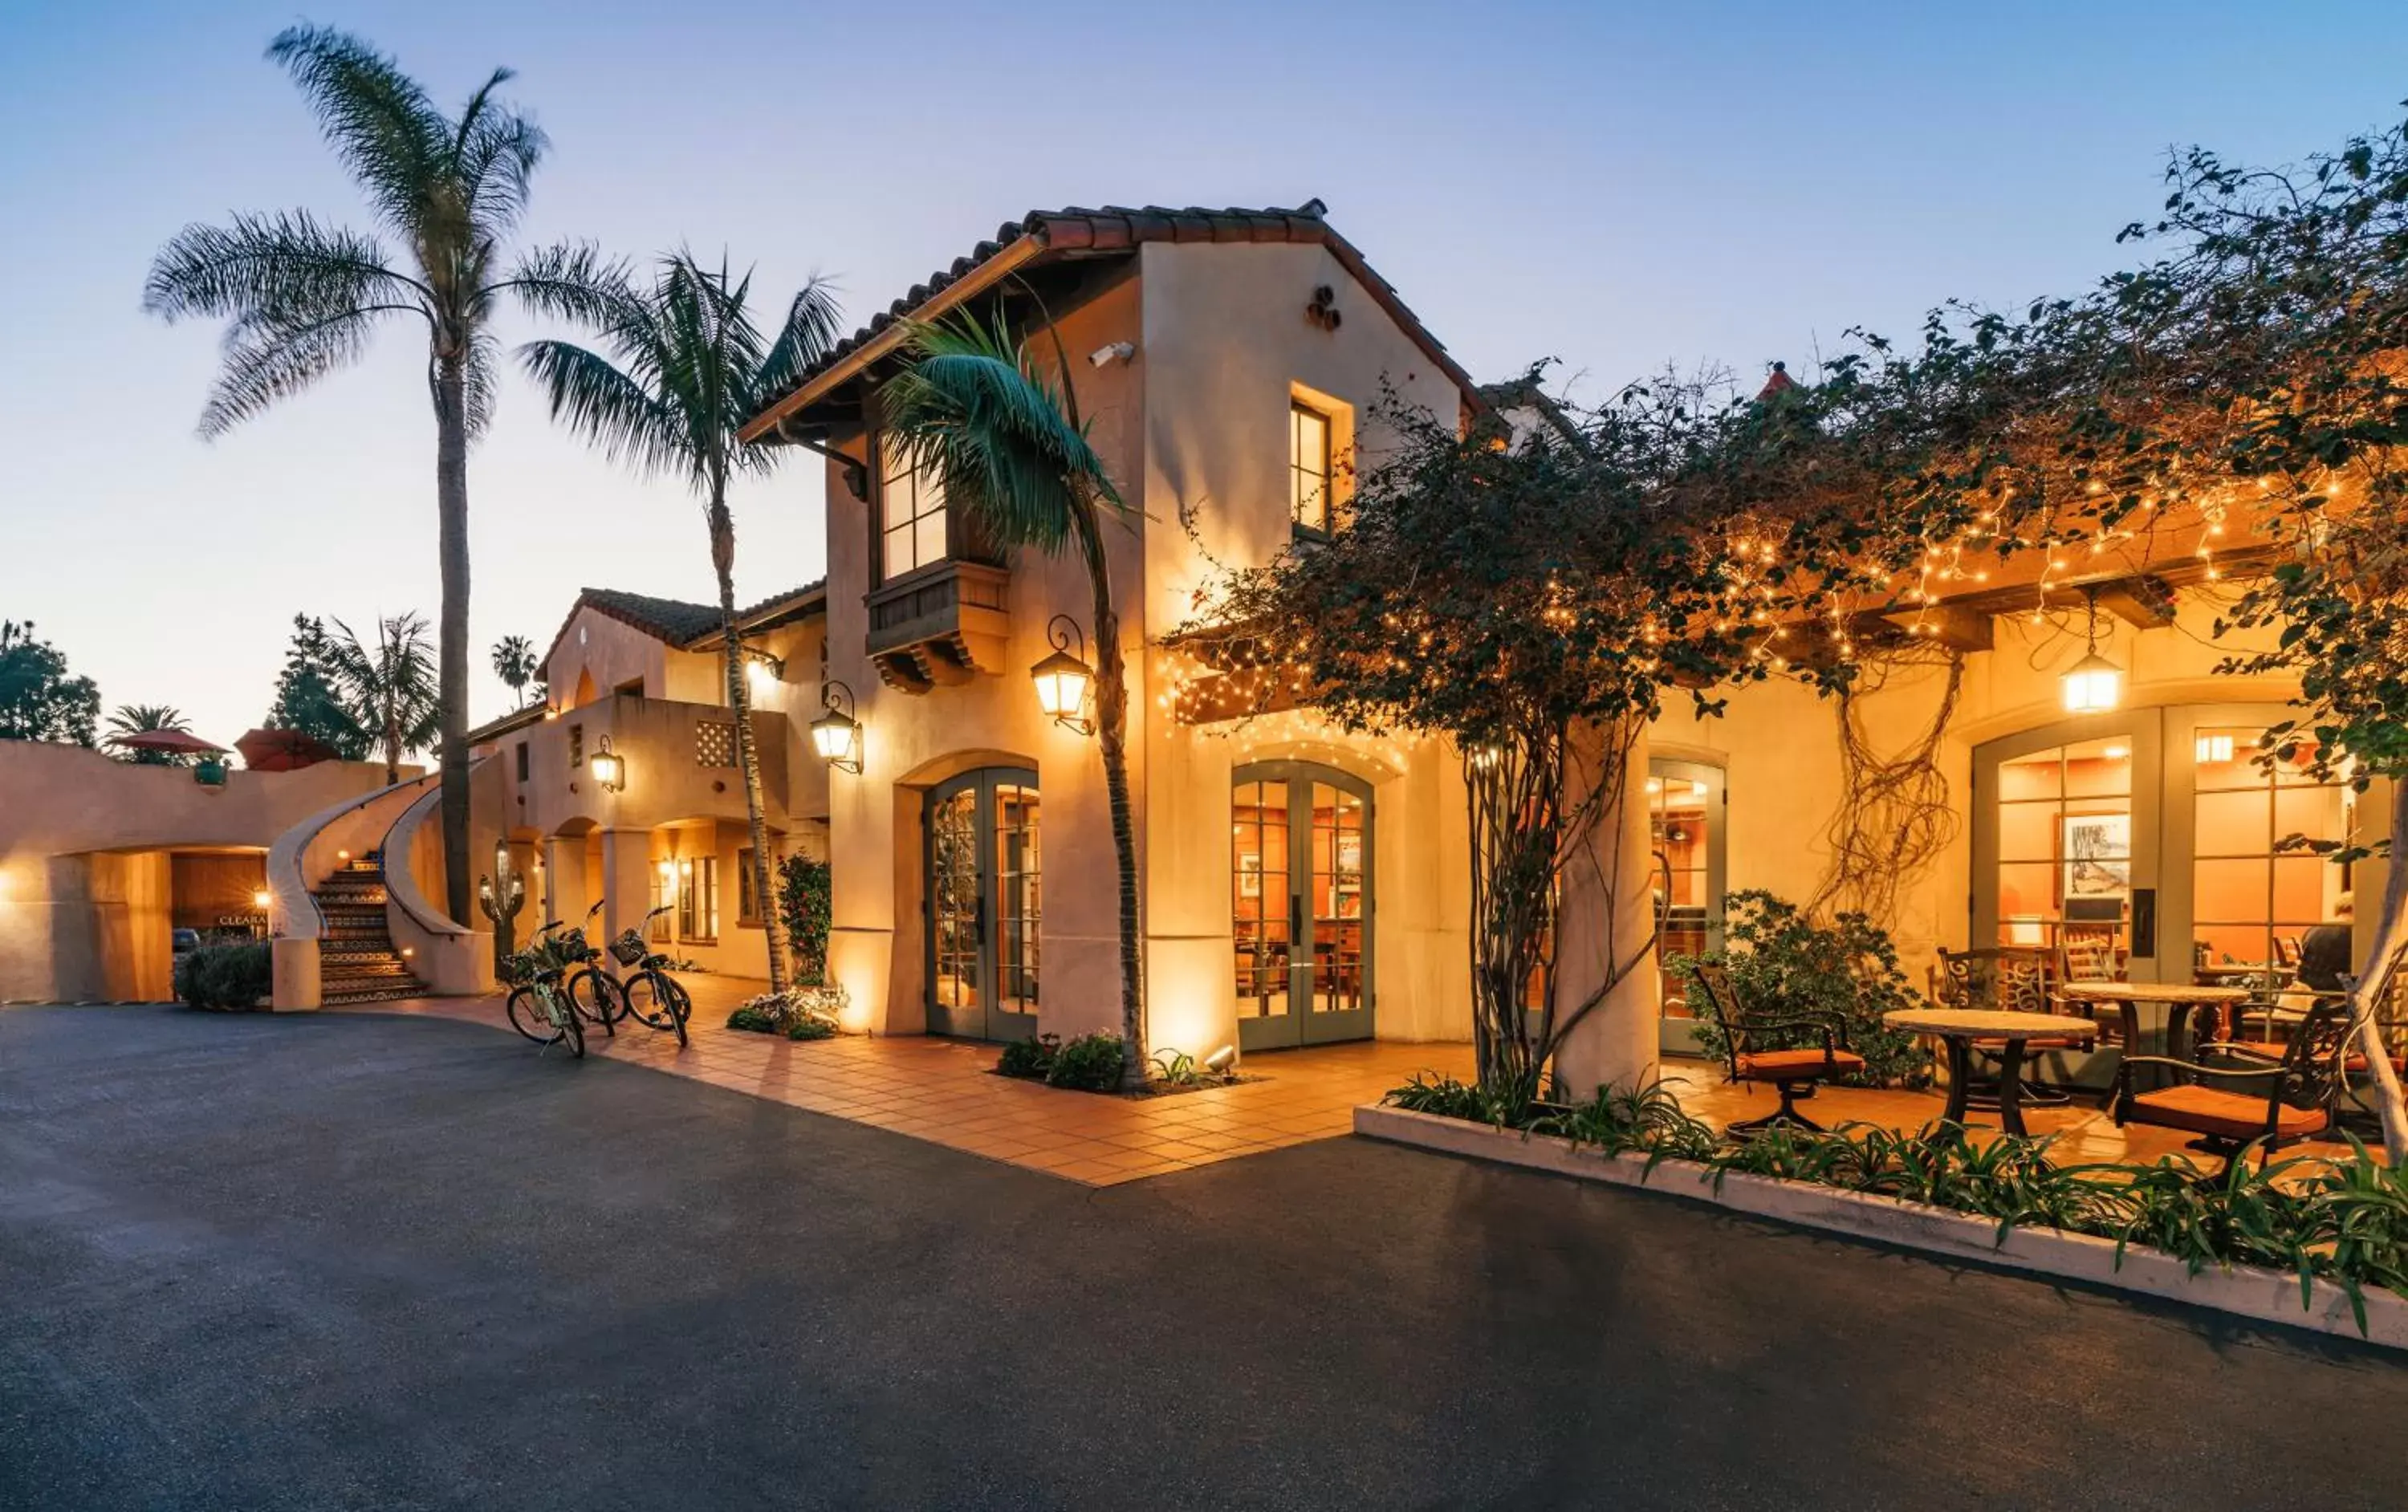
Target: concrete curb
column 2267, row 1296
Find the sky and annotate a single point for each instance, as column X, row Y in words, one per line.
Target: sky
column 1615, row 186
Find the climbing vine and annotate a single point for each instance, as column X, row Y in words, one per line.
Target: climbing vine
column 1895, row 814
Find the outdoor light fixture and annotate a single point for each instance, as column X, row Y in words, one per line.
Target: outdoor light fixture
column 668, row 871
column 261, row 899
column 1222, row 1058
column 2093, row 685
column 1063, row 677
column 1484, row 756
column 836, row 735
column 609, row 767
column 2210, row 750
column 763, row 670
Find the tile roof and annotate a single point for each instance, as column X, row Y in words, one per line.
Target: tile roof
column 1120, row 228
column 677, row 621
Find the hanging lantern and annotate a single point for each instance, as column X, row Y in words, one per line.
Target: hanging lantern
column 1063, row 678
column 609, row 767
column 2093, row 685
column 836, row 735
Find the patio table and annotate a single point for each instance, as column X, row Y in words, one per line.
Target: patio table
column 2178, row 996
column 1958, row 1028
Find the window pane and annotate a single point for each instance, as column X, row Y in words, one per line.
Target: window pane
column 2230, row 890
column 2028, row 832
column 898, row 552
column 2098, row 768
column 2232, row 824
column 2234, row 944
column 2220, row 759
column 929, row 537
column 2317, row 813
column 2304, row 887
column 2027, row 891
column 2036, row 775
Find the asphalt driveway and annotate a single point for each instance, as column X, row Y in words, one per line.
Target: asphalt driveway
column 353, row 1261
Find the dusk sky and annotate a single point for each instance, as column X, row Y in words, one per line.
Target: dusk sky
column 1618, row 186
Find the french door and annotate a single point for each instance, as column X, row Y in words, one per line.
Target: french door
column 1300, row 905
column 2067, row 848
column 985, row 905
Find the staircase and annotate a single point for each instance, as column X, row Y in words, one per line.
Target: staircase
column 356, row 960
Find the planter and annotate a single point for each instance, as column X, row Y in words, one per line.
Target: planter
column 2267, row 1296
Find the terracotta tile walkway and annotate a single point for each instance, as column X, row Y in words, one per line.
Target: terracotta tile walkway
column 945, row 1092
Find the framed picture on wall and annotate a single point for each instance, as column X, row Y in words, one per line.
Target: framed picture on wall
column 2098, row 855
column 1249, row 876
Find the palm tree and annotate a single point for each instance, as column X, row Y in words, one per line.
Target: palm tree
column 1011, row 453
column 514, row 664
column 686, row 366
column 300, row 298
column 143, row 719
column 392, row 689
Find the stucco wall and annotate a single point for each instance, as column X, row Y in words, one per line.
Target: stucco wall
column 85, row 892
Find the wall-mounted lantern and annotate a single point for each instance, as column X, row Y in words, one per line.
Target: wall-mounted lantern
column 2093, row 685
column 763, row 671
column 836, row 735
column 1064, row 678
column 609, row 767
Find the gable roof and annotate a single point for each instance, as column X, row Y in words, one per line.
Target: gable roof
column 679, row 622
column 1115, row 229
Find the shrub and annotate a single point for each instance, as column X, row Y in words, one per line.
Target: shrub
column 1784, row 964
column 753, row 1020
column 1031, row 1058
column 811, row 1029
column 1089, row 1063
column 804, row 894
column 797, row 1013
column 229, row 976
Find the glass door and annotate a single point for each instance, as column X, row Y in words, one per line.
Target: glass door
column 1300, row 905
column 1685, row 822
column 985, row 905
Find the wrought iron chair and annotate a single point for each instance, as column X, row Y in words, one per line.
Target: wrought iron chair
column 1762, row 1049
column 2089, row 957
column 2006, row 978
column 2249, row 1098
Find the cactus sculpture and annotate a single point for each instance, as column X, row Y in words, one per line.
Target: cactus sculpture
column 501, row 897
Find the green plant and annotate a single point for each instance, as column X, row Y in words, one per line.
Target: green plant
column 806, row 898
column 753, row 1020
column 1177, row 1067
column 1089, row 1063
column 811, row 1029
column 309, row 692
column 797, row 1013
column 1784, row 964
column 1031, row 1058
column 38, row 701
column 391, row 687
column 229, row 975
column 146, row 719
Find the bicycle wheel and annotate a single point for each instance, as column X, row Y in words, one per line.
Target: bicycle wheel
column 572, row 1028
column 652, row 999
column 528, row 1016
column 597, row 999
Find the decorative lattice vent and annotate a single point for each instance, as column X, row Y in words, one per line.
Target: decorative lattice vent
column 714, row 743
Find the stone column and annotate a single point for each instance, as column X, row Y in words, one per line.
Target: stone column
column 1608, row 913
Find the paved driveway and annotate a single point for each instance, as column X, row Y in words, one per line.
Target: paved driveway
column 259, row 1262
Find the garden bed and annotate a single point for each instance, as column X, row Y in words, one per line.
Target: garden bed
column 2247, row 1291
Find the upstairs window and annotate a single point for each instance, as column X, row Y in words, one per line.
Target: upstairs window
column 1309, row 469
column 911, row 515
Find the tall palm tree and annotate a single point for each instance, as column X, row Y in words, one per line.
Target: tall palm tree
column 300, row 298
column 687, row 366
column 514, row 664
column 1012, row 451
column 392, row 687
column 142, row 718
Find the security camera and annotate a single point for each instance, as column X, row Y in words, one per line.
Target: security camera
column 1117, row 351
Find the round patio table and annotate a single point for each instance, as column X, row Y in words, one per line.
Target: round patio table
column 1958, row 1028
column 2127, row 996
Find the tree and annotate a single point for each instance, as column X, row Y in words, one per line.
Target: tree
column 685, row 367
column 309, row 692
column 139, row 718
column 301, row 298
column 514, row 664
column 391, row 687
column 974, row 410
column 38, row 700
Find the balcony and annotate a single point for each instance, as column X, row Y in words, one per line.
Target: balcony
column 943, row 624
column 681, row 764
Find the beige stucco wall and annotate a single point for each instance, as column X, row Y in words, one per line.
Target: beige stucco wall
column 84, row 859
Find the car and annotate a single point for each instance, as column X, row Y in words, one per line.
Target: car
column 183, row 940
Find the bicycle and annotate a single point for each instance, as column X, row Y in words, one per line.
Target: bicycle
column 652, row 996
column 540, row 1007
column 589, row 981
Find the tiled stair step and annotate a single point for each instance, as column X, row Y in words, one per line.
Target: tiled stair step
column 362, row 968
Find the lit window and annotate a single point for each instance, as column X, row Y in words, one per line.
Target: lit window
column 1309, row 469
column 698, row 899
column 912, row 516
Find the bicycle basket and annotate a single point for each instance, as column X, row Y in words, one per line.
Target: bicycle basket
column 629, row 948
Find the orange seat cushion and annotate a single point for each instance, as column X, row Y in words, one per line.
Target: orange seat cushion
column 1799, row 1066
column 2226, row 1115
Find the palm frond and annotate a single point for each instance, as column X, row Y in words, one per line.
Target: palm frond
column 379, row 121
column 258, row 367
column 813, row 326
column 575, row 281
column 493, row 155
column 281, row 269
column 605, row 405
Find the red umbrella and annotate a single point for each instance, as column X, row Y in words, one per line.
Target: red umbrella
column 175, row 742
column 282, row 751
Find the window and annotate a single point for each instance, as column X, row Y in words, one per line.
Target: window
column 912, row 516
column 748, row 908
column 1308, row 457
column 576, row 746
column 1684, row 826
column 2253, row 900
column 698, row 900
column 522, row 761
column 2065, row 846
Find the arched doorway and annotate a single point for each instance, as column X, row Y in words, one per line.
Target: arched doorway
column 1300, row 904
column 986, row 894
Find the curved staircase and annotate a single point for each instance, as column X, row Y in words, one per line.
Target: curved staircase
column 356, row 960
